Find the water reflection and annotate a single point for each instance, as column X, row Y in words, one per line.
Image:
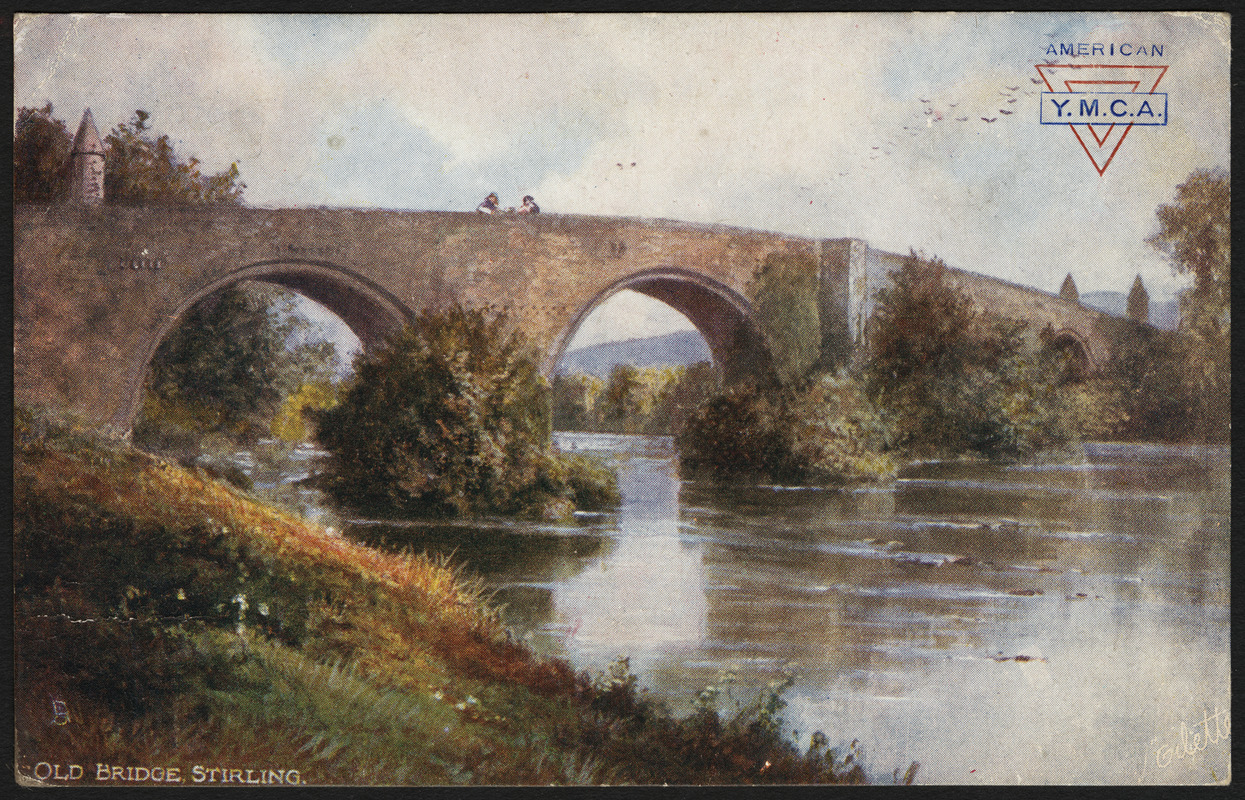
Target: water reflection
column 646, row 598
column 1042, row 622
column 1037, row 622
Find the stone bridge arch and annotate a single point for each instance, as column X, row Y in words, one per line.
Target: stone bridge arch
column 723, row 317
column 1076, row 348
column 368, row 310
column 96, row 288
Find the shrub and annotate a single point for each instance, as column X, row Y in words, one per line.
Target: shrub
column 786, row 301
column 824, row 433
column 450, row 417
column 741, row 433
column 290, row 423
column 593, row 485
column 953, row 377
column 838, row 433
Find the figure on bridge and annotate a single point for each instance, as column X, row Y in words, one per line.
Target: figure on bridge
column 489, row 206
column 529, row 205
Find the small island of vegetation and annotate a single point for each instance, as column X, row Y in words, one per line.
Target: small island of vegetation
column 177, row 618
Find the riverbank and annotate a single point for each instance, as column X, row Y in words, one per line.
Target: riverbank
column 167, row 620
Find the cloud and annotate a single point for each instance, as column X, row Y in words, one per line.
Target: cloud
column 766, row 120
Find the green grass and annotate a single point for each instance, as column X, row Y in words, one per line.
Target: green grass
column 182, row 622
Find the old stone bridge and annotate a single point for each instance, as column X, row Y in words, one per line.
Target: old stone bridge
column 96, row 288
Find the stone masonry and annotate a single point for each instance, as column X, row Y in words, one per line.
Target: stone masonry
column 97, row 287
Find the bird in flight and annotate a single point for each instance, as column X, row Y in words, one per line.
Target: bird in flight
column 923, row 101
column 1012, row 88
column 963, row 119
column 1010, row 101
column 1001, row 111
column 1036, row 80
column 990, row 119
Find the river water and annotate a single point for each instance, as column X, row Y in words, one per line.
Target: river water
column 1063, row 622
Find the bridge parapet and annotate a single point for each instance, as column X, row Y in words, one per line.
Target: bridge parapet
column 96, row 288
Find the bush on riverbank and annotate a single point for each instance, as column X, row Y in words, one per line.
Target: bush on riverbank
column 956, row 378
column 826, row 432
column 177, row 622
column 451, row 417
column 936, row 377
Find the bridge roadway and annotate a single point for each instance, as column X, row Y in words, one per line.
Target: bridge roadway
column 96, row 289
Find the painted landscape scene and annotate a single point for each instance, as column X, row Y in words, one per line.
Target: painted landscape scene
column 621, row 400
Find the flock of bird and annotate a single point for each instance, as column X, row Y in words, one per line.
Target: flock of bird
column 936, row 115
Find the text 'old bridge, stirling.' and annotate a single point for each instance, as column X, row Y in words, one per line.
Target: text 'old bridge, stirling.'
column 97, row 288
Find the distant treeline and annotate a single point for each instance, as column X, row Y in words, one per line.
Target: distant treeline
column 648, row 400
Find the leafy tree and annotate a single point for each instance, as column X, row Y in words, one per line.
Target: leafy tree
column 838, row 433
column 786, row 301
column 953, row 377
column 742, row 433
column 575, row 401
column 228, row 367
column 450, row 417
column 41, row 148
column 144, row 169
column 290, row 422
column 1195, row 234
column 682, row 394
column 625, row 399
column 826, row 432
column 140, row 167
column 650, row 400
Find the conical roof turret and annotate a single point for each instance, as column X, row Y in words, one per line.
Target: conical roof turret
column 1068, row 290
column 1138, row 308
column 87, row 140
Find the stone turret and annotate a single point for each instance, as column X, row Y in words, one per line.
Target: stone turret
column 1068, row 290
column 1139, row 302
column 86, row 165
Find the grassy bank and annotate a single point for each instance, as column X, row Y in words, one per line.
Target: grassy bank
column 166, row 619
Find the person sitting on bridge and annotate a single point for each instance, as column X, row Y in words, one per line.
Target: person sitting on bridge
column 489, row 206
column 529, row 205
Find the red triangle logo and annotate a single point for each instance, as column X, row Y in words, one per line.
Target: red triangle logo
column 1103, row 141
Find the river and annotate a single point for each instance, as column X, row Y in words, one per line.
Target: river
column 1047, row 622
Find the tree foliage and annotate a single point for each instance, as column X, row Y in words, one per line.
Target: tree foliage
column 825, row 432
column 786, row 304
column 648, row 400
column 41, row 147
column 144, row 169
column 450, row 417
column 1195, row 234
column 140, row 167
column 742, row 433
column 953, row 377
column 229, row 365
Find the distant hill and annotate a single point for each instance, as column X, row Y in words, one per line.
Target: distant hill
column 1164, row 314
column 680, row 347
column 688, row 347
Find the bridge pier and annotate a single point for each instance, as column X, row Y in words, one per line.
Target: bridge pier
column 97, row 287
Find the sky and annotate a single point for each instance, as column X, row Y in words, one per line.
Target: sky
column 871, row 126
